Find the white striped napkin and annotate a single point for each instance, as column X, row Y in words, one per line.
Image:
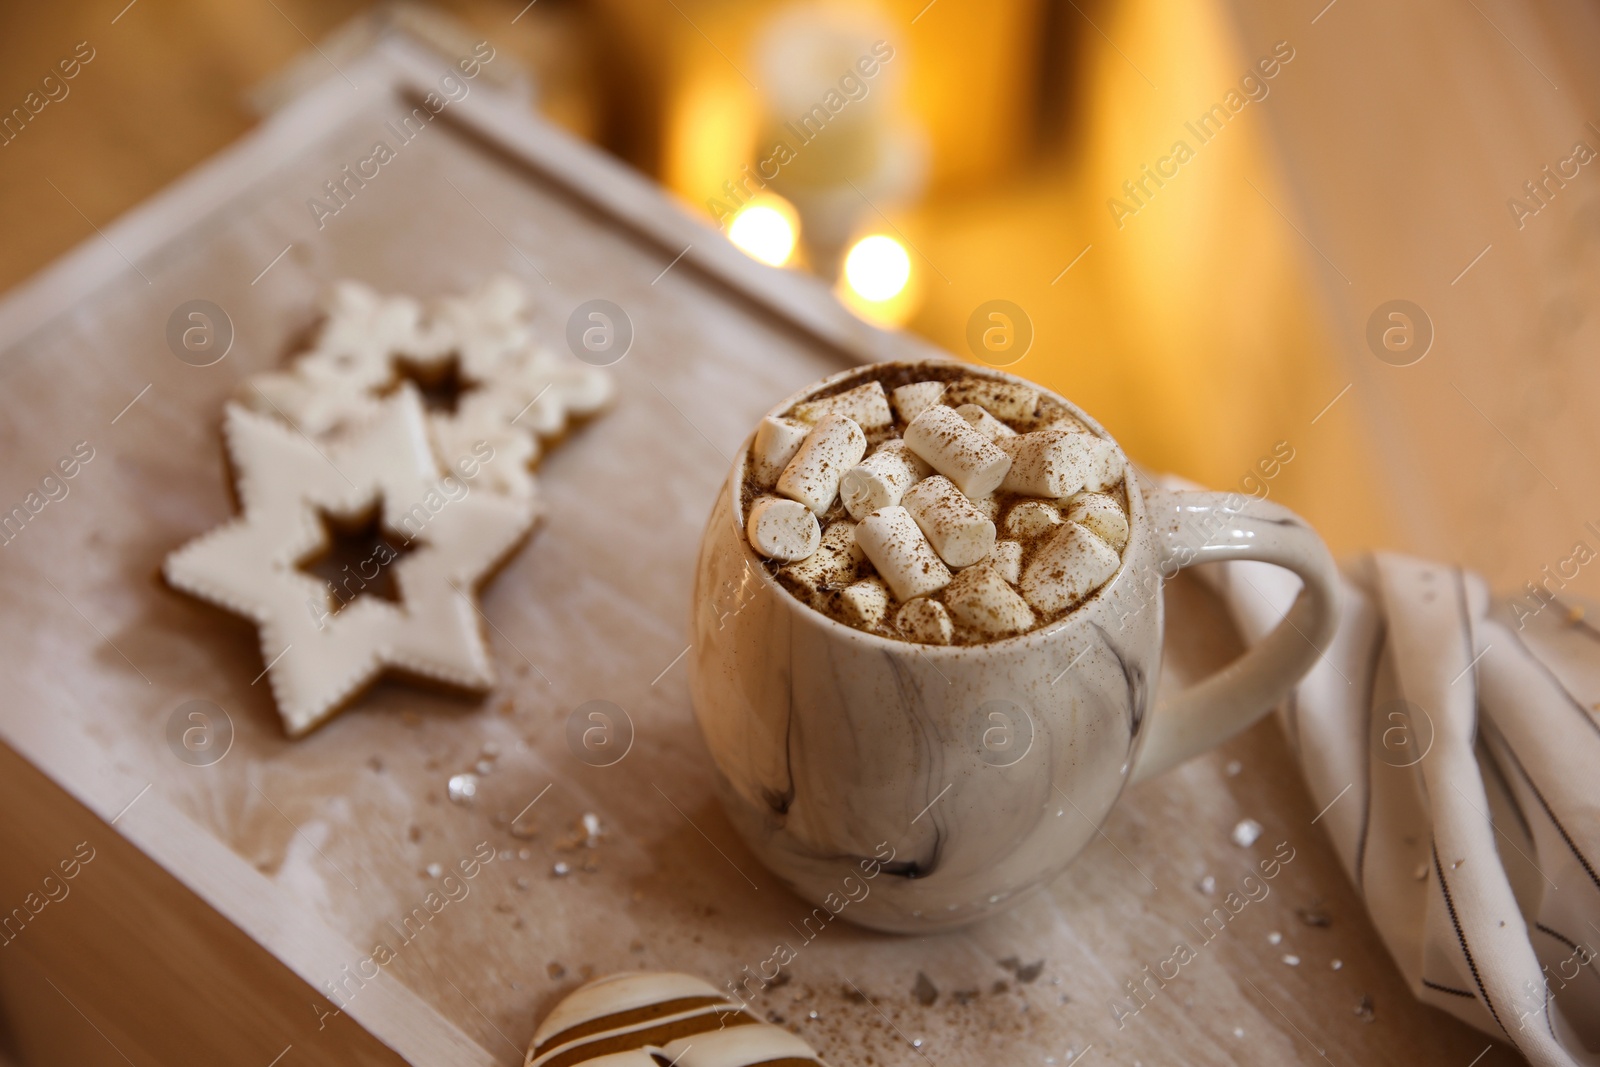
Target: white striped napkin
column 1455, row 743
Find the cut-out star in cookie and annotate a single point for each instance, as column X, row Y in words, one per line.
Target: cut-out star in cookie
column 324, row 646
column 502, row 391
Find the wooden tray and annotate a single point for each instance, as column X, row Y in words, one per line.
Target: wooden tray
column 223, row 900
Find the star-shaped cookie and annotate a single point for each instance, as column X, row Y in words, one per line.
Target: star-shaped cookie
column 508, row 393
column 322, row 649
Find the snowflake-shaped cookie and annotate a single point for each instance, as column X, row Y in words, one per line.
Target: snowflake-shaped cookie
column 320, row 650
column 509, row 393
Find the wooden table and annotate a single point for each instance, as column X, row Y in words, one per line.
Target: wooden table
column 223, row 898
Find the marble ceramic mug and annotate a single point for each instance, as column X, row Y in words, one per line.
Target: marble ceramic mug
column 958, row 777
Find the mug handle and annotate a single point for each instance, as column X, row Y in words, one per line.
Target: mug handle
column 1204, row 527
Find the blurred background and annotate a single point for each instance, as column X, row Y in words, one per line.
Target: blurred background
column 1196, row 220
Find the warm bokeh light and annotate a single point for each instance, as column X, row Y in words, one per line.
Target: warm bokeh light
column 877, row 268
column 766, row 229
column 877, row 282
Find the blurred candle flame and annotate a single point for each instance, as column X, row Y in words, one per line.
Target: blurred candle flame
column 766, row 229
column 877, row 268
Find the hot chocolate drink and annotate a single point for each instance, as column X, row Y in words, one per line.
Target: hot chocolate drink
column 928, row 617
column 934, row 505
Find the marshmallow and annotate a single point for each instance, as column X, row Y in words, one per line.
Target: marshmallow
column 989, row 505
column 1011, row 401
column 1102, row 515
column 960, row 453
column 904, row 559
column 912, row 400
column 881, row 479
column 1105, row 466
column 1029, row 518
column 1063, row 420
column 981, row 599
column 1050, row 463
column 925, row 621
column 832, row 447
column 777, row 440
column 866, row 603
column 865, row 405
column 833, row 565
column 782, row 529
column 1067, row 568
column 959, row 532
column 1007, row 559
column 984, row 422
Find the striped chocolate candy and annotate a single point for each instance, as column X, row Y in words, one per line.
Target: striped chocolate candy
column 648, row 1019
